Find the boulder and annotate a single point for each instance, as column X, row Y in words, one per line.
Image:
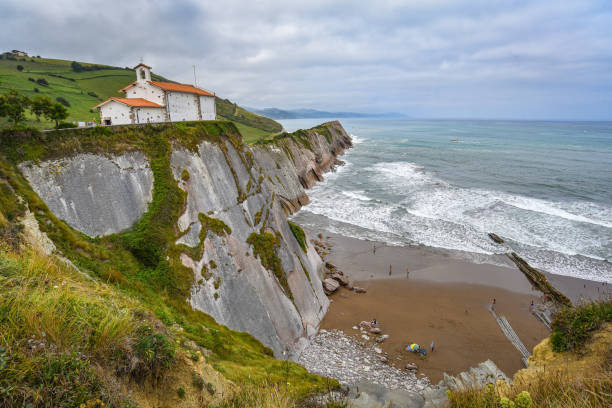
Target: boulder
column 375, row 330
column 330, row 286
column 341, row 279
column 358, row 289
column 496, row 238
column 411, row 367
column 330, row 266
column 367, row 325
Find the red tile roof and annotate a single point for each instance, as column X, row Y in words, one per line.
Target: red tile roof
column 169, row 86
column 137, row 102
column 126, row 87
column 142, row 65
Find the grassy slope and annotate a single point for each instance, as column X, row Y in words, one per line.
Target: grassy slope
column 134, row 263
column 75, row 86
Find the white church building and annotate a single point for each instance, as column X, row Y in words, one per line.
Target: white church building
column 149, row 101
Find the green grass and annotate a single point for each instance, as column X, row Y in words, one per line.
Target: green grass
column 230, row 111
column 252, row 135
column 78, row 87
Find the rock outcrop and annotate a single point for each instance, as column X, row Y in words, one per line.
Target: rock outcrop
column 250, row 272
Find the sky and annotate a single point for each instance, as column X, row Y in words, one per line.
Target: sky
column 510, row 59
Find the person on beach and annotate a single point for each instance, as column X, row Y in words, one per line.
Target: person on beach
column 531, row 306
column 374, row 249
column 374, row 322
column 407, row 273
column 390, row 269
column 431, row 346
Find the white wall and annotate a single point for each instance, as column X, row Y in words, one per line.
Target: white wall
column 118, row 113
column 146, row 91
column 207, row 107
column 182, row 106
column 150, row 115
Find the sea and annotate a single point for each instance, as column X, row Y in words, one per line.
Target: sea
column 544, row 187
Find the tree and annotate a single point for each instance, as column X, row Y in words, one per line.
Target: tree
column 19, row 68
column 57, row 112
column 40, row 106
column 13, row 105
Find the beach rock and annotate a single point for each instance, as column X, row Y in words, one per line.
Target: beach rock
column 330, row 286
column 365, row 337
column 382, row 338
column 378, row 350
column 358, row 289
column 355, row 328
column 361, row 364
column 411, row 367
column 330, row 266
column 375, row 330
column 342, row 280
column 367, row 325
column 496, row 238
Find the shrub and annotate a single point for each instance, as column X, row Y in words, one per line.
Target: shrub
column 92, row 94
column 63, row 101
column 66, row 125
column 156, row 350
column 573, row 326
column 19, row 68
column 36, row 90
column 31, row 79
column 42, row 81
column 299, row 235
column 181, row 392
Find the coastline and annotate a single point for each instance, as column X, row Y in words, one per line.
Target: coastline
column 444, row 299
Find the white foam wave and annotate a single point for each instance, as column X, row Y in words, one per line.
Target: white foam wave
column 356, row 139
column 358, row 195
column 546, row 207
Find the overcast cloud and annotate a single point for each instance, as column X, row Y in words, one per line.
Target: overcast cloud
column 430, row 58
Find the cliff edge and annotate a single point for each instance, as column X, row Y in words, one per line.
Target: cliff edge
column 193, row 200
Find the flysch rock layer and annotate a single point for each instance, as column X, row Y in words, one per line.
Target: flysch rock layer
column 94, row 194
column 99, row 195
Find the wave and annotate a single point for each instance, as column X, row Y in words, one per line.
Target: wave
column 405, row 203
column 356, row 139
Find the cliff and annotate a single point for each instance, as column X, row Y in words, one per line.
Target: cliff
column 194, row 196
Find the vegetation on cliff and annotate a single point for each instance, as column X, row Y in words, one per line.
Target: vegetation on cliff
column 579, row 377
column 299, row 235
column 134, row 308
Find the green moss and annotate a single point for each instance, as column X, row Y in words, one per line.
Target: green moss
column 249, row 185
column 299, row 235
column 214, row 225
column 304, row 269
column 217, row 283
column 184, row 175
column 213, row 264
column 257, row 217
column 264, row 247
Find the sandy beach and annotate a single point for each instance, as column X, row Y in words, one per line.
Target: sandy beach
column 443, row 299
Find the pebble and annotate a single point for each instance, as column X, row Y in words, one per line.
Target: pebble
column 361, row 363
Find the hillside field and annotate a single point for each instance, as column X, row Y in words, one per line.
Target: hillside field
column 83, row 90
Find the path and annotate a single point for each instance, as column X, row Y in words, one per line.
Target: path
column 511, row 335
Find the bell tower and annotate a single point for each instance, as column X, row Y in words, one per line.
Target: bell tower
column 143, row 73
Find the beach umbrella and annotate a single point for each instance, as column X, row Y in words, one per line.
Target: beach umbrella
column 414, row 347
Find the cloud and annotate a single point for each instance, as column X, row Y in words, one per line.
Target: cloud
column 441, row 58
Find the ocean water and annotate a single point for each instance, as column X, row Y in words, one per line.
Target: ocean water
column 545, row 187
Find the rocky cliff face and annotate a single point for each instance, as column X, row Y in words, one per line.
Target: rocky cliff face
column 250, row 271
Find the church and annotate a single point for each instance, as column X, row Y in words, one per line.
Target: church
column 148, row 101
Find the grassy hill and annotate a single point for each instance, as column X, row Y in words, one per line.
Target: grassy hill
column 82, row 90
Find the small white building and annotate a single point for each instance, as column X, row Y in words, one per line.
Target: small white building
column 149, row 101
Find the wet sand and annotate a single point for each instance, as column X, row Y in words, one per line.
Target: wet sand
column 443, row 299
